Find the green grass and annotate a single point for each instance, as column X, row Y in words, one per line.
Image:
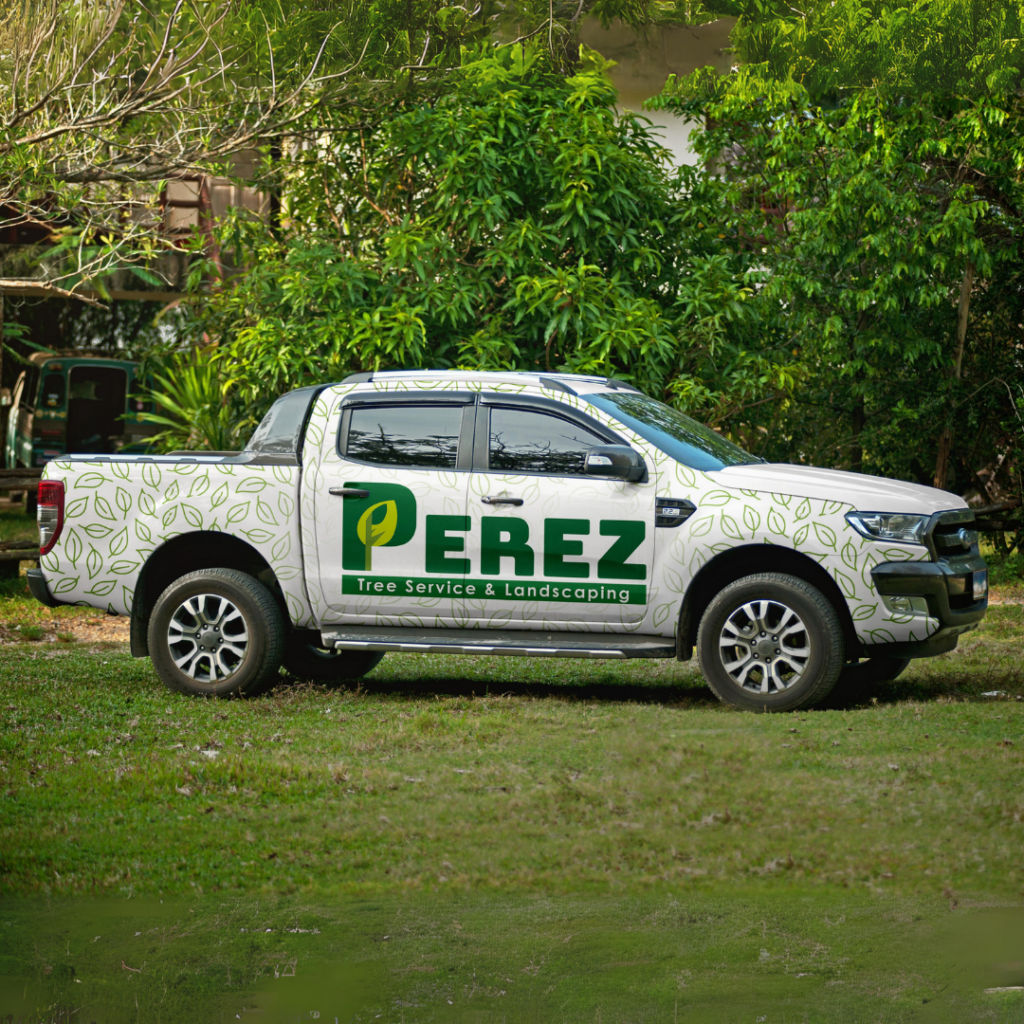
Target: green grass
column 597, row 841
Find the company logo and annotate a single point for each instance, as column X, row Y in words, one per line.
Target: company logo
column 387, row 518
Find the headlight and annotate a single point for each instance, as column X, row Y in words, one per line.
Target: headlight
column 889, row 526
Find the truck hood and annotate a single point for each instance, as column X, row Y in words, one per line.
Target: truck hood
column 864, row 493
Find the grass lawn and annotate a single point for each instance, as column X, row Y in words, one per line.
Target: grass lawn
column 582, row 838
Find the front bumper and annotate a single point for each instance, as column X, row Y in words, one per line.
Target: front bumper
column 947, row 587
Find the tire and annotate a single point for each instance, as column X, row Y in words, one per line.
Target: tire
column 236, row 606
column 806, row 656
column 305, row 659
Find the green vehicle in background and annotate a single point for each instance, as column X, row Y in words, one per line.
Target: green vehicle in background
column 75, row 402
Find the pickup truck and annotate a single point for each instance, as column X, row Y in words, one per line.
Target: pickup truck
column 547, row 515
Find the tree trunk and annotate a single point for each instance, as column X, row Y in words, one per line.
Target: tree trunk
column 946, row 436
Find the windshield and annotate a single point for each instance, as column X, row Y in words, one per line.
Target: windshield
column 678, row 436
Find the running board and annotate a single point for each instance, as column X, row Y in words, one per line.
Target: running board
column 529, row 643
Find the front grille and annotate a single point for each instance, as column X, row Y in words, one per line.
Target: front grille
column 950, row 534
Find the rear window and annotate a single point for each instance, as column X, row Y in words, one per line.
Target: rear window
column 51, row 395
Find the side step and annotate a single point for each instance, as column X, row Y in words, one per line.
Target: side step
column 530, row 643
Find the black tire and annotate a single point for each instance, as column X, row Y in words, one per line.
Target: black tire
column 805, row 657
column 305, row 659
column 228, row 665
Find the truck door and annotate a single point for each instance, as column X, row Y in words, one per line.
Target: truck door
column 390, row 510
column 548, row 543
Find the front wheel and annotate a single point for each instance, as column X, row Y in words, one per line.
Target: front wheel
column 770, row 642
column 305, row 659
column 216, row 632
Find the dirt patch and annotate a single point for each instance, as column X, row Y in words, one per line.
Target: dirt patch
column 85, row 630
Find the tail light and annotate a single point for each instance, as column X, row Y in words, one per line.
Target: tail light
column 50, row 514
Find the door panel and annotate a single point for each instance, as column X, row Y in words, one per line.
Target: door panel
column 547, row 543
column 390, row 512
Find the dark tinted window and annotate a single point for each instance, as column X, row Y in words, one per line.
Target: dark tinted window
column 405, row 435
column 52, row 394
column 678, row 436
column 280, row 431
column 523, row 441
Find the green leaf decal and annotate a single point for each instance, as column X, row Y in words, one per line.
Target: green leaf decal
column 830, row 508
column 97, row 531
column 192, row 516
column 716, row 498
column 825, row 534
column 845, row 583
column 224, row 469
column 124, row 500
column 119, row 543
column 170, row 515
column 285, row 505
column 91, row 480
column 801, row 535
column 94, row 562
column 776, row 524
column 685, row 475
column 863, row 611
column 752, row 519
column 286, row 572
column 200, row 486
column 102, row 588
column 265, row 513
column 76, row 508
column 102, row 508
column 151, row 475
column 282, row 549
column 259, row 536
column 127, row 597
column 674, row 581
column 251, row 485
column 730, row 527
column 143, row 532
column 881, row 636
column 66, row 584
column 238, row 512
column 849, row 554
column 186, row 468
column 896, row 554
column 282, row 474
column 50, row 562
column 699, row 527
column 803, row 510
column 73, row 547
column 172, row 492
column 121, row 469
column 219, row 496
column 782, row 499
column 123, row 567
column 146, row 504
column 661, row 613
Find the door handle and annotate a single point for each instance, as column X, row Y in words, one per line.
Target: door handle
column 349, row 492
column 501, row 501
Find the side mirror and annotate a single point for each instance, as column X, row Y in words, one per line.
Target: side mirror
column 616, row 462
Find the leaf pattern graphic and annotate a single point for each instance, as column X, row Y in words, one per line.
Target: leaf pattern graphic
column 200, row 486
column 97, row 532
column 730, row 527
column 143, row 532
column 661, row 613
column 863, row 611
column 716, row 498
column 674, row 581
column 119, row 543
column 171, row 494
column 752, row 519
column 146, row 504
column 124, row 500
column 776, row 524
column 102, row 588
column 90, row 480
column 219, row 496
column 169, row 516
column 265, row 513
column 93, row 562
column 121, row 469
column 102, row 508
column 701, row 527
column 123, row 567
column 73, row 547
column 238, row 512
column 281, row 474
column 849, row 555
column 782, row 499
column 845, row 583
column 76, row 509
column 259, row 536
column 192, row 515
column 285, row 505
column 803, row 510
column 250, row 485
column 66, row 584
column 127, row 598
column 151, row 475
column 282, row 548
column 186, row 468
column 800, row 537
column 825, row 534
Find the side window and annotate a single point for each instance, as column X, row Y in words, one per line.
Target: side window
column 524, row 441
column 425, row 436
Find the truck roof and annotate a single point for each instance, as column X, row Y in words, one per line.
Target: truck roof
column 574, row 381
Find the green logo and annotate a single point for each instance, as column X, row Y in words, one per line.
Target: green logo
column 386, row 518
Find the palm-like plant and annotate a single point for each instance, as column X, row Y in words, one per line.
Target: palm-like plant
column 197, row 412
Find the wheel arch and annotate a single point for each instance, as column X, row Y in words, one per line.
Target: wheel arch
column 745, row 560
column 189, row 552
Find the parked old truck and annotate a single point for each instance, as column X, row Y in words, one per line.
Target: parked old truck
column 506, row 513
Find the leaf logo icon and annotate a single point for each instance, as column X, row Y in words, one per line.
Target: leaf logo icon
column 373, row 533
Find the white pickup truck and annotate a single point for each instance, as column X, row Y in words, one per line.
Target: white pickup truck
column 506, row 513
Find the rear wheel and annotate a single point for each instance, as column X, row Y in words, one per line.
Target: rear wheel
column 306, row 659
column 216, row 632
column 770, row 642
